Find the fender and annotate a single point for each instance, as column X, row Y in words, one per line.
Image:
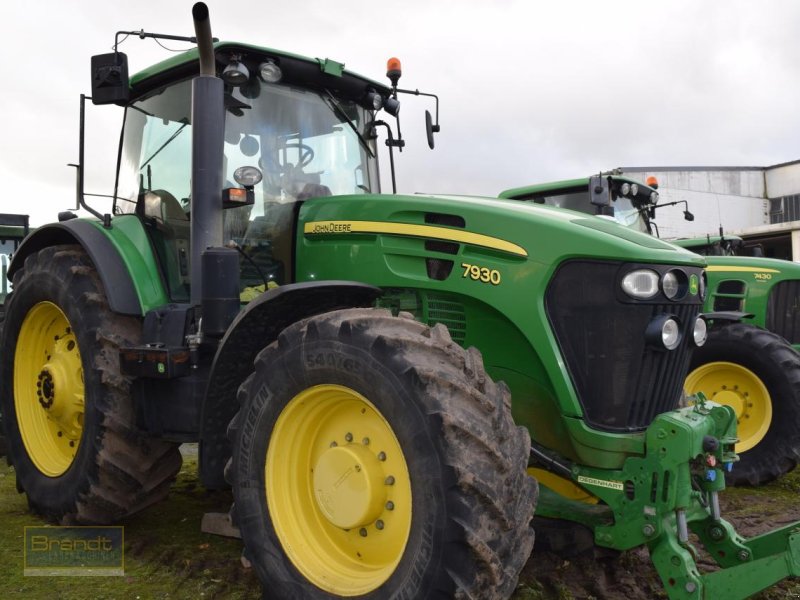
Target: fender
column 257, row 326
column 117, row 253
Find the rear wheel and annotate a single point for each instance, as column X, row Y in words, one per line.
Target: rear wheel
column 67, row 410
column 758, row 374
column 373, row 457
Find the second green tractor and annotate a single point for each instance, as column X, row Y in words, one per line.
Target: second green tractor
column 749, row 361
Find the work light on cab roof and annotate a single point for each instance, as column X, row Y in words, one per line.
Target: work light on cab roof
column 235, row 73
column 270, row 72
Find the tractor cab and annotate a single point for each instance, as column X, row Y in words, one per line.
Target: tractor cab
column 294, row 129
column 624, row 200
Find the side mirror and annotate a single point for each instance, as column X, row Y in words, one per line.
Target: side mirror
column 110, row 83
column 688, row 216
column 599, row 191
column 430, row 128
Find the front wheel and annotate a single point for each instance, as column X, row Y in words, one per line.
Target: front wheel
column 374, row 458
column 758, row 374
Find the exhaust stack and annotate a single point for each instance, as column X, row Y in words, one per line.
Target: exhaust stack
column 208, row 130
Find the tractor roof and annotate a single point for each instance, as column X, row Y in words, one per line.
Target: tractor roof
column 299, row 70
column 565, row 186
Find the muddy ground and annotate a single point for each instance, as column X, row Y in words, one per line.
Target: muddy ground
column 166, row 555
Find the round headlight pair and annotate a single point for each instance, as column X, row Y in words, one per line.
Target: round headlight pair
column 665, row 332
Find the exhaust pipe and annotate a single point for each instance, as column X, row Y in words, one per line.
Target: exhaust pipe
column 202, row 32
column 208, row 131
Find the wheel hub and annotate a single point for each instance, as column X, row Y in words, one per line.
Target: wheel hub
column 45, row 389
column 349, row 486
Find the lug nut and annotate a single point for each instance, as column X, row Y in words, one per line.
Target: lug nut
column 362, row 532
column 379, row 524
column 381, row 455
column 348, row 437
column 334, row 444
column 389, row 480
column 390, row 505
column 648, row 530
column 365, row 441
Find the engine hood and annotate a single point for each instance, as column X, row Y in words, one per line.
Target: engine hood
column 540, row 233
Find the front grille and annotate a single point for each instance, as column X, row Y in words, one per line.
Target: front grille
column 783, row 310
column 441, row 309
column 622, row 382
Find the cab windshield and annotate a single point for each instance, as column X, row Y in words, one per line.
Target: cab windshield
column 303, row 141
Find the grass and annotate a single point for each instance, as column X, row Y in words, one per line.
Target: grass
column 168, row 557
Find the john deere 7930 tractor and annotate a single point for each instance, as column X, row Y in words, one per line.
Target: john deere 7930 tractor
column 749, row 360
column 354, row 405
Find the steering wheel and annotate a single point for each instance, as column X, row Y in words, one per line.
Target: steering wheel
column 306, row 153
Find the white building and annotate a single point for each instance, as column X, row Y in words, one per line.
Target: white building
column 760, row 204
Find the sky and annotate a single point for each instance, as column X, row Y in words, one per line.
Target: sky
column 530, row 91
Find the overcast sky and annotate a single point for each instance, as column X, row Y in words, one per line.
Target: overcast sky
column 530, row 91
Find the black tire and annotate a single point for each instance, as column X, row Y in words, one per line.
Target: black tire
column 116, row 470
column 472, row 500
column 777, row 365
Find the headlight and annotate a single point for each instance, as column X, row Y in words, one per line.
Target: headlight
column 703, row 285
column 641, row 284
column 634, row 189
column 624, row 189
column 663, row 332
column 654, row 197
column 674, row 284
column 670, row 334
column 670, row 285
column 700, row 332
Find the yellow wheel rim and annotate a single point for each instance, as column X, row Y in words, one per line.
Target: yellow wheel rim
column 338, row 490
column 562, row 487
column 738, row 387
column 48, row 389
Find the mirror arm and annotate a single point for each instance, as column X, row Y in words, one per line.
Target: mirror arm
column 142, row 34
column 436, row 127
column 81, row 202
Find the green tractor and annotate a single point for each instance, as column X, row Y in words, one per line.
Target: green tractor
column 13, row 229
column 353, row 404
column 749, row 361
